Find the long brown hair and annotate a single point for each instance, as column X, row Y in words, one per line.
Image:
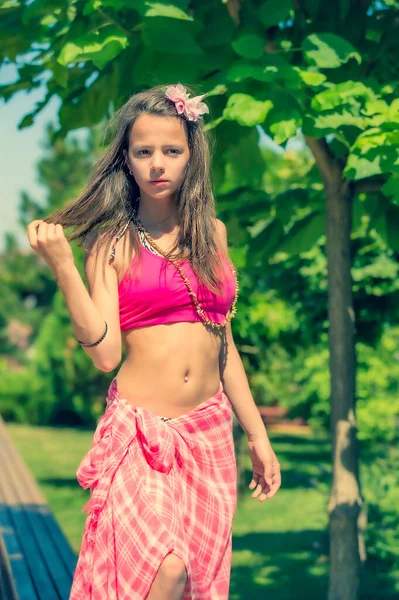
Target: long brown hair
column 111, row 193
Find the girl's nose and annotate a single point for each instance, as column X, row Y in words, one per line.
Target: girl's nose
column 157, row 163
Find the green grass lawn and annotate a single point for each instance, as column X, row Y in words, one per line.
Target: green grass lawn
column 279, row 546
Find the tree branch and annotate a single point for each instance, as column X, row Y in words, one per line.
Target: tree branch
column 328, row 167
column 368, row 186
column 233, row 8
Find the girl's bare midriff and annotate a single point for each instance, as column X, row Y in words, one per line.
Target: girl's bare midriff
column 171, row 368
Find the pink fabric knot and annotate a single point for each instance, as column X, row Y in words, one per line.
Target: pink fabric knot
column 116, row 430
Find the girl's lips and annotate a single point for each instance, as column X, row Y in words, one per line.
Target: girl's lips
column 158, row 182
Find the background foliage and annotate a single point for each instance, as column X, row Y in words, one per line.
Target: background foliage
column 322, row 74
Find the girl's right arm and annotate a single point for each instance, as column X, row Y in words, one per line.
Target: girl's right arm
column 88, row 309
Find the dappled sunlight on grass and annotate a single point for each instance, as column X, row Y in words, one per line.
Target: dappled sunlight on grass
column 280, row 546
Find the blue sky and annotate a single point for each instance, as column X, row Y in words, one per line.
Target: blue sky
column 21, row 150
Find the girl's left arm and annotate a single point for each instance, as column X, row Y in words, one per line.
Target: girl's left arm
column 236, row 387
column 233, row 375
column 266, row 478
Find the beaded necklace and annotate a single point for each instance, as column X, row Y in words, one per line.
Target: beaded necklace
column 143, row 233
column 146, row 244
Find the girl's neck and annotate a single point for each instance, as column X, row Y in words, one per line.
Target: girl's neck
column 157, row 216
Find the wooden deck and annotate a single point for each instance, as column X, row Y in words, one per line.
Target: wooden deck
column 36, row 560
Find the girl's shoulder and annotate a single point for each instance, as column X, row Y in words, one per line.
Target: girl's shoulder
column 100, row 243
column 221, row 233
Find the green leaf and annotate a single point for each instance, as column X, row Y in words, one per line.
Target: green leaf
column 312, row 78
column 343, row 93
column 153, row 67
column 213, row 124
column 263, row 245
column 388, row 112
column 339, row 146
column 358, row 212
column 218, row 90
column 285, row 117
column 391, row 188
column 156, row 9
column 304, row 234
column 393, row 227
column 239, row 161
column 100, row 47
column 339, row 105
column 249, row 204
column 236, row 231
column 240, row 70
column 319, row 125
column 374, row 152
column 274, row 12
column 249, row 46
column 288, row 203
column 245, row 110
column 270, row 68
column 60, row 74
column 92, row 6
column 143, row 7
column 328, row 51
column 91, row 105
column 9, row 89
column 39, row 9
column 283, row 130
column 118, row 4
column 344, row 6
column 380, row 224
column 28, row 120
column 171, row 37
column 9, row 6
column 219, row 31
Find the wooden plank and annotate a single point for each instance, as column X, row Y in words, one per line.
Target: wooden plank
column 7, row 586
column 34, row 495
column 38, row 572
column 19, row 569
column 7, row 450
column 66, row 552
column 18, row 564
column 29, row 511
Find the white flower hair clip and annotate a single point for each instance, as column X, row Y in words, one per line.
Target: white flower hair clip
column 191, row 108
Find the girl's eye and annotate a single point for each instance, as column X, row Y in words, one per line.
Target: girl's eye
column 169, row 150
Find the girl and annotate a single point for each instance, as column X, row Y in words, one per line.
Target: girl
column 161, row 469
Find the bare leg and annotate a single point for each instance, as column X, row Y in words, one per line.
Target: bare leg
column 170, row 580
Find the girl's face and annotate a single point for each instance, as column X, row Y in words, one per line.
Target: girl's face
column 157, row 149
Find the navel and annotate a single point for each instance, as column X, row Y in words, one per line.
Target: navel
column 186, row 376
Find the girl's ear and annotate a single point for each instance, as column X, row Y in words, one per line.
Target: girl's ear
column 126, row 161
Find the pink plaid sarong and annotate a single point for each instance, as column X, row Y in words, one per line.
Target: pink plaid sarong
column 157, row 487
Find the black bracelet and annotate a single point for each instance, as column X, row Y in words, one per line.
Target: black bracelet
column 98, row 341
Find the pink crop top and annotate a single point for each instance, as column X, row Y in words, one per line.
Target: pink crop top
column 161, row 296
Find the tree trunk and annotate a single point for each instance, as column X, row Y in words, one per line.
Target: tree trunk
column 345, row 504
